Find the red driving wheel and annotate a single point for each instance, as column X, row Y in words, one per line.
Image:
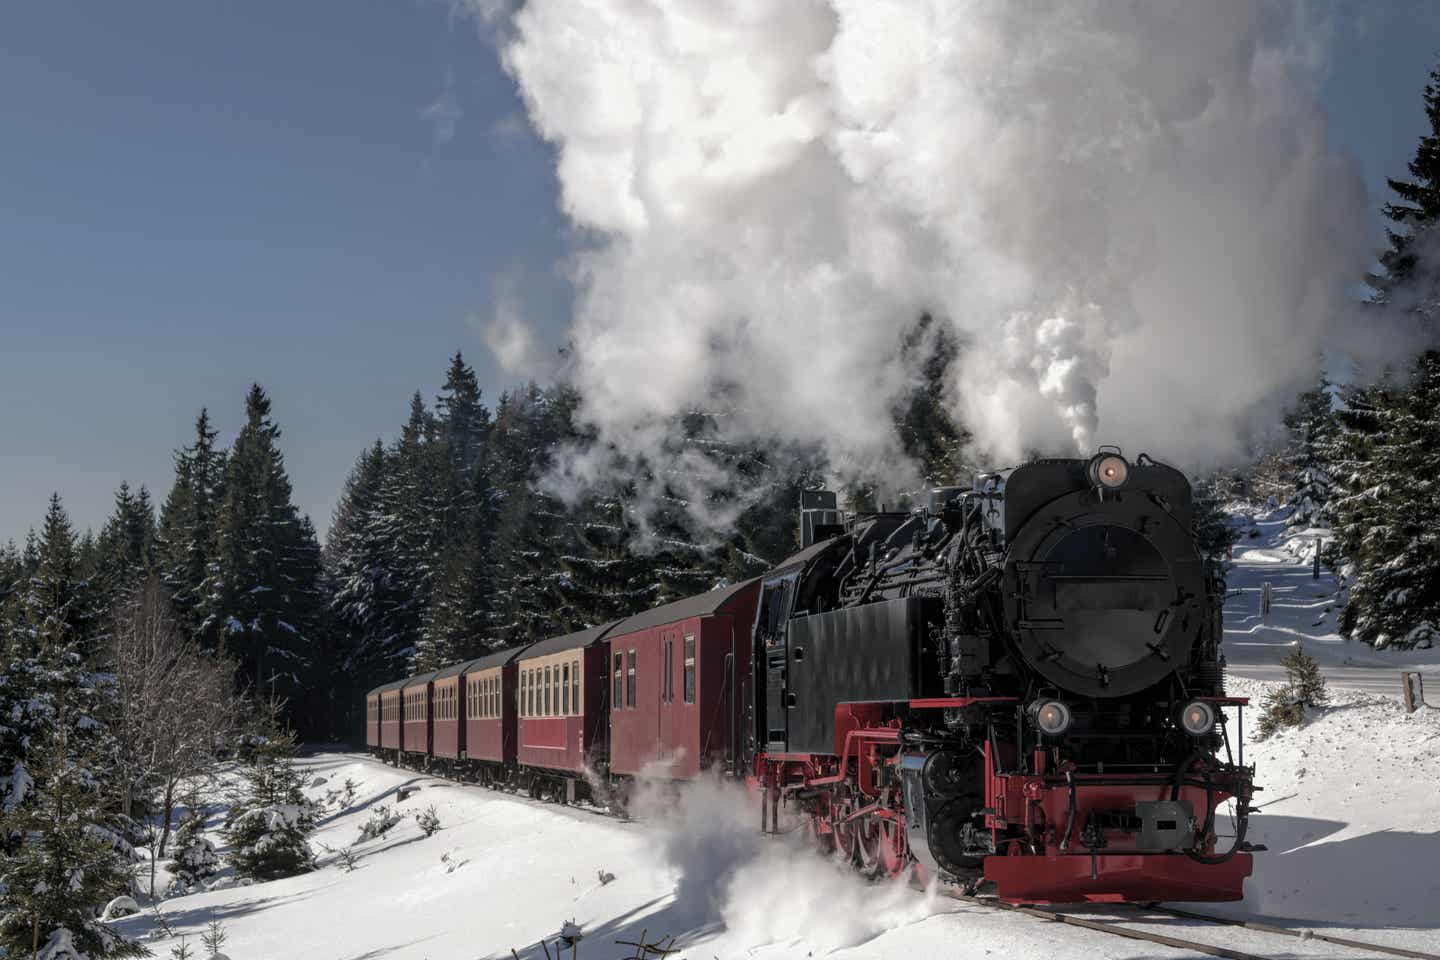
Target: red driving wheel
column 844, row 834
column 892, row 845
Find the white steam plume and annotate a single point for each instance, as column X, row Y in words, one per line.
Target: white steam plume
column 737, row 890
column 1127, row 209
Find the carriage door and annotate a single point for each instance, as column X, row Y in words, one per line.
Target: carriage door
column 669, row 654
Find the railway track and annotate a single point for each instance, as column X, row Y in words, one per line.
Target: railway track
column 1113, row 923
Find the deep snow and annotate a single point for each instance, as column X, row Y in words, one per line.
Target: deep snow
column 1347, row 813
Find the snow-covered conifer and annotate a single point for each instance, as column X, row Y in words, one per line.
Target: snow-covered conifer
column 267, row 828
column 61, row 867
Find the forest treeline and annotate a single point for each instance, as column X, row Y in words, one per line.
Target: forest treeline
column 447, row 541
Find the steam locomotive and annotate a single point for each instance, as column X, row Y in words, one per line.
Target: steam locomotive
column 1018, row 683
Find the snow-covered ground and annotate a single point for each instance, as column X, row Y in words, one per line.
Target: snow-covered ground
column 1348, row 814
column 1302, row 609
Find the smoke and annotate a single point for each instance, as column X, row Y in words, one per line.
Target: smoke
column 752, row 890
column 1127, row 211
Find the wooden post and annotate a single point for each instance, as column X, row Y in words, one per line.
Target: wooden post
column 1413, row 691
column 1265, row 600
column 1315, row 574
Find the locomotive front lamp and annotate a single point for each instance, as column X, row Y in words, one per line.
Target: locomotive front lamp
column 1109, row 470
column 1052, row 717
column 1198, row 718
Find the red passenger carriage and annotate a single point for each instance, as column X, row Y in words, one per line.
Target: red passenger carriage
column 490, row 735
column 561, row 685
column 391, row 712
column 416, row 727
column 674, row 706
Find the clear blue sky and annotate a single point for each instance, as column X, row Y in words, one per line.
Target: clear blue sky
column 318, row 196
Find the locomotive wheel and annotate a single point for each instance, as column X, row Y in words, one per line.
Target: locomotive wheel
column 892, row 846
column 844, row 834
column 869, row 841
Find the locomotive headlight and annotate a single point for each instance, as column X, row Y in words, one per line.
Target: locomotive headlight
column 1109, row 470
column 1198, row 718
column 1052, row 717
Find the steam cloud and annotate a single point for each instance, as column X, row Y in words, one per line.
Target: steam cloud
column 1127, row 209
column 737, row 889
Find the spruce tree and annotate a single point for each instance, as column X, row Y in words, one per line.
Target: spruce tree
column 1388, row 510
column 52, row 633
column 360, row 561
column 268, row 827
column 1212, row 530
column 408, row 526
column 261, row 595
column 124, row 552
column 55, row 881
column 607, row 578
column 1386, row 452
column 1411, row 280
column 460, row 602
column 185, row 538
column 195, row 859
column 57, row 868
column 1311, row 425
column 533, row 527
column 1304, row 689
column 928, row 434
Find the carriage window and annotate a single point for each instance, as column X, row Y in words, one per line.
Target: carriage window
column 524, row 693
column 575, row 686
column 630, row 681
column 690, row 668
column 615, row 692
column 565, row 690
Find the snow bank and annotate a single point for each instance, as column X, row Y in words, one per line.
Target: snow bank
column 1348, row 815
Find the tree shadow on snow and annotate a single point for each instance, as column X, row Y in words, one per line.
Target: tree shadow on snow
column 657, row 919
column 189, row 921
column 371, row 800
column 386, row 951
column 1385, row 878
